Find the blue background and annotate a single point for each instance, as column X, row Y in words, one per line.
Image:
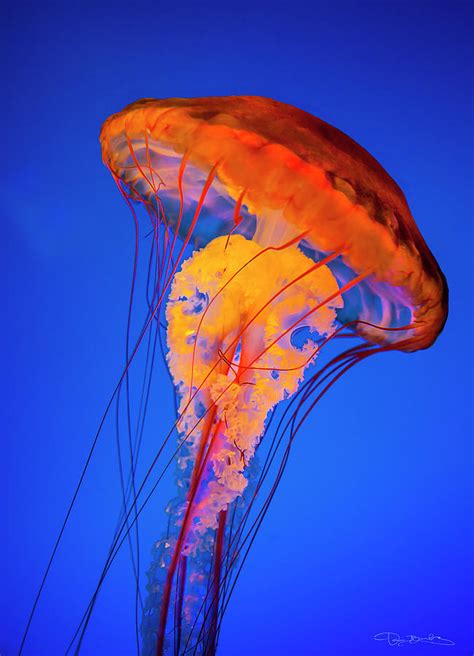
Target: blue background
column 371, row 529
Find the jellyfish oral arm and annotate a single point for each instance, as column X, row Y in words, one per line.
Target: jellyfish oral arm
column 233, row 333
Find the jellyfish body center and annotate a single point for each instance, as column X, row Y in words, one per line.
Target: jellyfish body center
column 242, row 327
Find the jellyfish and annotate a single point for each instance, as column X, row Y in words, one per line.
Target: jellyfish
column 273, row 236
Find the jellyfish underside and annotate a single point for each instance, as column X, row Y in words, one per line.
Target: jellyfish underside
column 232, row 313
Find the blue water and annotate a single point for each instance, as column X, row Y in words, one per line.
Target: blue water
column 372, row 527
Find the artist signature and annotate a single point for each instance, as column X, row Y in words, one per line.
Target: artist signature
column 395, row 640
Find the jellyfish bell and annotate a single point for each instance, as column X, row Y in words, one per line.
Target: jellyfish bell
column 286, row 173
column 268, row 223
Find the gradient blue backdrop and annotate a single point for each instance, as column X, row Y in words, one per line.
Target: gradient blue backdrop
column 371, row 529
